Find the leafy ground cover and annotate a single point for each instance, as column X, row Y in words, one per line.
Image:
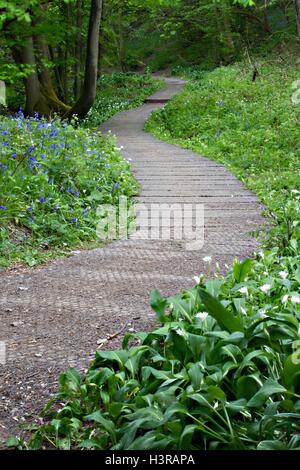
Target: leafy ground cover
column 222, row 368
column 221, row 372
column 251, row 127
column 53, row 176
column 118, row 92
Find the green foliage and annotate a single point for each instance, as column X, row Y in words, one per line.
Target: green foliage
column 251, row 127
column 118, row 92
column 53, row 177
column 213, row 375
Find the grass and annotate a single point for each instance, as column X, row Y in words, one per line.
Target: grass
column 251, row 127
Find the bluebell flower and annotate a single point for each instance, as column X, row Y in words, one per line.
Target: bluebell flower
column 6, row 143
column 85, row 212
column 221, row 103
column 77, row 194
column 116, row 186
column 70, row 190
column 30, row 209
column 74, row 220
column 4, row 132
column 42, row 156
column 36, row 114
column 50, row 181
column 54, row 146
column 57, row 206
column 32, row 159
column 3, row 208
column 13, row 155
column 42, row 200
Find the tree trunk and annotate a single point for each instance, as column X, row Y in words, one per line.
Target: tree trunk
column 35, row 100
column 46, row 80
column 121, row 42
column 78, row 51
column 297, row 8
column 88, row 94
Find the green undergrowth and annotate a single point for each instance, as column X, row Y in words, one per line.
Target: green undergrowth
column 221, row 370
column 251, row 127
column 118, row 92
column 53, row 177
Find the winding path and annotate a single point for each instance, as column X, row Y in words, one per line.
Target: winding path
column 52, row 317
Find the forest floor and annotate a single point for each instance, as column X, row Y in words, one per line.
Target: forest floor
column 55, row 316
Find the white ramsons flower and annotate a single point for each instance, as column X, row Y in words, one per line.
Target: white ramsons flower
column 207, row 259
column 295, row 299
column 202, row 315
column 265, row 288
column 197, row 279
column 243, row 310
column 285, row 299
column 283, row 274
column 243, row 290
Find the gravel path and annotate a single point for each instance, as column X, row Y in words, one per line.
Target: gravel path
column 52, row 317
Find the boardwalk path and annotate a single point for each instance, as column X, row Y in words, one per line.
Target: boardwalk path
column 52, row 317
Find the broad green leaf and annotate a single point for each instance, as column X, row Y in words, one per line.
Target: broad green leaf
column 225, row 319
column 195, row 373
column 271, row 445
column 246, row 387
column 291, row 370
column 107, row 424
column 158, row 304
column 269, row 388
column 241, row 270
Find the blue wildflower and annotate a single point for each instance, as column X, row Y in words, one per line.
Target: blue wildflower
column 57, row 206
column 74, row 220
column 13, row 155
column 42, row 156
column 85, row 212
column 116, row 186
column 77, row 194
column 70, row 190
column 54, row 146
column 32, row 159
column 30, row 209
column 3, row 208
column 4, row 132
column 50, row 181
column 221, row 103
column 42, row 200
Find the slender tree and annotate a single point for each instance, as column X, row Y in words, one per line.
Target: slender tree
column 88, row 94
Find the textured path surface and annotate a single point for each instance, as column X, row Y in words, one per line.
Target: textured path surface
column 52, row 317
